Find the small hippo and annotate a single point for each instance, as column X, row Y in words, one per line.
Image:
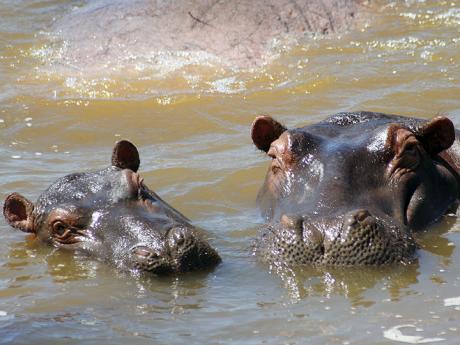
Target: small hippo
column 113, row 216
column 353, row 189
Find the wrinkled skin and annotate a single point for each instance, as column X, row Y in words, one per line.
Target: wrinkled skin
column 239, row 33
column 352, row 189
column 113, row 216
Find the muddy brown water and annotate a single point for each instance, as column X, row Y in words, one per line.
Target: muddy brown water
column 190, row 120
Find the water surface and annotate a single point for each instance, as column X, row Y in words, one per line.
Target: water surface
column 190, row 119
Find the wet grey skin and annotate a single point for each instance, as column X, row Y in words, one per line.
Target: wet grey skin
column 113, row 216
column 353, row 189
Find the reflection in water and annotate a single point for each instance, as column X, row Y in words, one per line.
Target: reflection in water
column 65, row 266
column 175, row 294
column 432, row 239
column 353, row 283
column 349, row 282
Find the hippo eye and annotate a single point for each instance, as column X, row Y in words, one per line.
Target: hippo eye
column 411, row 149
column 60, row 229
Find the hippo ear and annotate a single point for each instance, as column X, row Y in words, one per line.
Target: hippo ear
column 125, row 156
column 264, row 131
column 18, row 212
column 437, row 135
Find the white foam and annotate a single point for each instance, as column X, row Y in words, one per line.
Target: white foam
column 395, row 334
column 453, row 301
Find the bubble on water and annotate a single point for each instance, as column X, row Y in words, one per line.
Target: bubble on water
column 395, row 334
column 71, row 82
column 450, row 17
column 453, row 301
column 409, row 15
column 164, row 100
column 16, row 156
column 426, row 55
column 227, row 85
column 88, row 322
column 409, row 42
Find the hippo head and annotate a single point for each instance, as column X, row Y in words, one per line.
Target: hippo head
column 113, row 216
column 351, row 189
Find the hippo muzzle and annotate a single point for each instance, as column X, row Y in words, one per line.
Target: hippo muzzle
column 354, row 238
column 181, row 251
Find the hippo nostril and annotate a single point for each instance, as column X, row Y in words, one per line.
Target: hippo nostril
column 179, row 237
column 294, row 223
column 147, row 259
column 291, row 221
column 357, row 218
column 141, row 251
column 144, row 253
column 361, row 215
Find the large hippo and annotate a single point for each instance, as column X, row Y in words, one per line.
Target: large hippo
column 353, row 189
column 113, row 216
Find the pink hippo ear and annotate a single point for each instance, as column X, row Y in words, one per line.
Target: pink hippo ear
column 264, row 131
column 436, row 135
column 125, row 156
column 18, row 212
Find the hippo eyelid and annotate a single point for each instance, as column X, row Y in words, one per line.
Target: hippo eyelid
column 410, row 147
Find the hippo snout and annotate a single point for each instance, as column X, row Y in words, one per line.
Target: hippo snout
column 366, row 239
column 188, row 250
column 357, row 237
column 183, row 250
column 148, row 259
